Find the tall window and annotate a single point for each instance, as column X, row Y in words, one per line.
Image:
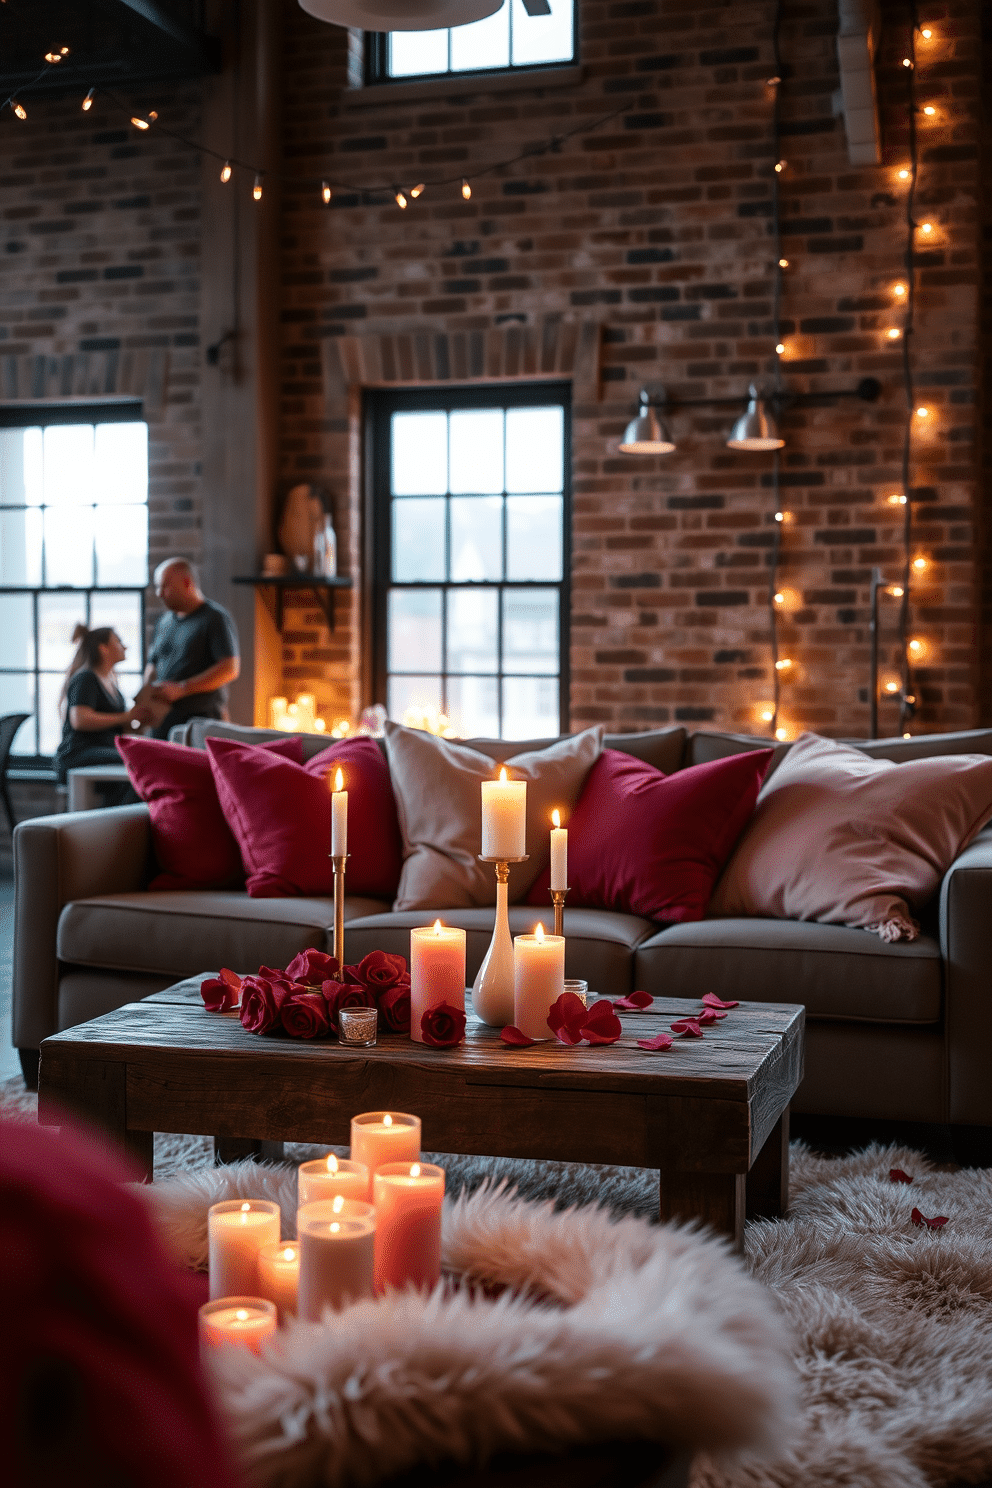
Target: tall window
column 471, row 513
column 73, row 547
column 521, row 34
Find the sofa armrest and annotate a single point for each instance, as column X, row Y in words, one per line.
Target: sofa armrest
column 966, row 951
column 58, row 859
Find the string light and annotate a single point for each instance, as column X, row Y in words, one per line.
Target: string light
column 146, row 122
column 780, row 348
column 767, row 715
column 780, row 166
column 920, row 565
column 916, row 648
column 929, row 110
column 780, row 516
column 926, row 227
column 783, row 263
column 256, row 190
column 466, row 189
column 896, row 590
column 896, row 500
column 326, row 193
column 400, row 201
column 907, row 61
column 891, row 687
column 779, row 598
column 19, row 109
column 904, row 174
column 88, row 101
column 784, row 664
column 894, row 333
column 923, row 413
column 899, row 289
column 416, row 191
column 53, row 57
column 781, row 734
column 226, row 172
column 926, row 33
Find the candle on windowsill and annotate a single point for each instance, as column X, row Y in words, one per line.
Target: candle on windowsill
column 279, row 1275
column 337, row 1255
column 437, row 971
column 327, row 1177
column 504, row 818
column 538, row 980
column 408, row 1203
column 244, row 1322
column 559, row 853
column 339, row 817
column 237, row 1229
column 379, row 1137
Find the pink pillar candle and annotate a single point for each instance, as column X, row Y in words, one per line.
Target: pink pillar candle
column 408, row 1202
column 241, row 1322
column 538, row 980
column 237, row 1229
column 337, row 1255
column 279, row 1275
column 379, row 1137
column 329, row 1176
column 437, row 972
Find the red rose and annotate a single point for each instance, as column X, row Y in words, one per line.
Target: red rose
column 394, row 1006
column 378, row 971
column 443, row 1026
column 261, row 1000
column 311, row 968
column 221, row 992
column 342, row 995
column 305, row 1015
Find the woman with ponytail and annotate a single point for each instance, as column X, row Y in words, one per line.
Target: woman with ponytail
column 93, row 708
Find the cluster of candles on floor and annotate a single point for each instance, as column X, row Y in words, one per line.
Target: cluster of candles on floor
column 364, row 1225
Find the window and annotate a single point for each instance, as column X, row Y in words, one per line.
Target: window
column 73, row 547
column 513, row 38
column 470, row 493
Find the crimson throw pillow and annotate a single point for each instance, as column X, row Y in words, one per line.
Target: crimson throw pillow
column 650, row 844
column 192, row 841
column 280, row 813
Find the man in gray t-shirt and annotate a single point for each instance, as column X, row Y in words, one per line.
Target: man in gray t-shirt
column 194, row 652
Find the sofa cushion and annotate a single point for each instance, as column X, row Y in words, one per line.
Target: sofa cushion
column 183, row 933
column 663, row 748
column 598, row 946
column 836, row 971
column 196, row 731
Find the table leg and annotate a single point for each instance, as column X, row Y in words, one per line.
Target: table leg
column 95, row 1092
column 715, row 1198
column 233, row 1149
column 768, row 1180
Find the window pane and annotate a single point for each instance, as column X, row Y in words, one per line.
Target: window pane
column 17, row 696
column 34, row 466
column 533, row 537
column 472, row 630
column 412, row 52
column 20, row 546
column 16, row 631
column 408, row 696
column 534, row 449
column 123, row 613
column 122, row 544
column 414, row 630
column 483, row 43
column 545, row 38
column 420, row 454
column 418, row 541
column 50, row 718
column 473, row 707
column 129, row 683
column 530, row 630
column 69, row 464
column 58, row 616
column 477, row 450
column 120, row 466
column 530, row 707
column 476, row 538
column 69, row 545
column 12, row 473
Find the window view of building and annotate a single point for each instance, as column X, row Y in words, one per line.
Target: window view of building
column 511, row 38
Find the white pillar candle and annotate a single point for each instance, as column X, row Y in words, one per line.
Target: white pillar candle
column 279, row 1275
column 437, row 971
column 559, row 853
column 538, row 980
column 339, row 818
column 244, row 1322
column 504, row 818
column 326, row 1177
column 379, row 1137
column 337, row 1255
column 237, row 1229
column 408, row 1202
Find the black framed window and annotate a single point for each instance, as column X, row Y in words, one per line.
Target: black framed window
column 73, row 547
column 470, row 493
column 522, row 34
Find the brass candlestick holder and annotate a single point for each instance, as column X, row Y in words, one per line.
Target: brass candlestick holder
column 339, row 868
column 558, row 900
column 492, row 990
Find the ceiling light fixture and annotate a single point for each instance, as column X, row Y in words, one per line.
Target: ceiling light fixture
column 400, row 15
column 647, row 434
column 756, row 428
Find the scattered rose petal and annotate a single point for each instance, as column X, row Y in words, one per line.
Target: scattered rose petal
column 712, row 1001
column 896, row 1175
column 687, row 1027
column 708, row 1017
column 661, row 1041
column 602, row 1026
column 218, row 994
column 634, row 1002
column 566, row 1017
column 515, row 1038
column 921, row 1221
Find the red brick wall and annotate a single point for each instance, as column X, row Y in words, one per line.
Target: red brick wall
column 656, row 226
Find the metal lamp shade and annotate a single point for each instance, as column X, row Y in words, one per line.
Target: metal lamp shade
column 646, row 435
column 400, row 15
column 756, row 429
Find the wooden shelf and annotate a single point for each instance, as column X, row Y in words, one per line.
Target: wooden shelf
column 319, row 586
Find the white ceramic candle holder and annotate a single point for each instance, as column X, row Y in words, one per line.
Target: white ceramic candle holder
column 492, row 990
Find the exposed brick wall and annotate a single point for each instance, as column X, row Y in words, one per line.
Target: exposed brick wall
column 657, row 226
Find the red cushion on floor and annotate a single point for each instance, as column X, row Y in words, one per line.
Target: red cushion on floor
column 280, row 814
column 650, row 844
column 193, row 843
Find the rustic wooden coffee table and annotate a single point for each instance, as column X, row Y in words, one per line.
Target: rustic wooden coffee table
column 712, row 1113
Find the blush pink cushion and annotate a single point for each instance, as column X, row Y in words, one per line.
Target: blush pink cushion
column 848, row 840
column 280, row 814
column 649, row 844
column 193, row 843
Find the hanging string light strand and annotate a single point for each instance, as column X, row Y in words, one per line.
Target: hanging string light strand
column 775, row 556
column 907, row 693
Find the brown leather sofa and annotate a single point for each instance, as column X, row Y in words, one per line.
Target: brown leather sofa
column 900, row 1031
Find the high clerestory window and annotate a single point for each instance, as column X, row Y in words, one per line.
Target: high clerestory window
column 73, row 547
column 470, row 513
column 521, row 34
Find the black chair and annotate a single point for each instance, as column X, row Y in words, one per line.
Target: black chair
column 9, row 725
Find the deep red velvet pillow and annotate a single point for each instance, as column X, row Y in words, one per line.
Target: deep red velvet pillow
column 650, row 844
column 280, row 814
column 193, row 843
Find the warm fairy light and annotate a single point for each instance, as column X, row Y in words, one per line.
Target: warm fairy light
column 904, row 174
column 783, row 263
column 146, row 122
column 19, row 109
column 896, row 590
column 556, row 818
column 780, row 166
column 926, row 33
column 773, row 82
column 900, row 289
column 256, row 190
column 766, row 715
column 332, row 1163
column 780, row 516
column 338, row 779
column 225, row 173
column 326, row 193
column 779, row 598
column 55, row 56
column 780, row 348
column 466, row 189
column 387, row 1120
column 923, row 413
column 784, row 664
column 896, row 500
column 781, row 734
column 907, row 61
column 417, row 190
column 891, row 687
column 893, row 333
column 88, row 101
column 920, row 565
column 926, row 227
column 538, row 931
column 401, row 200
column 338, row 1203
column 929, row 110
column 437, row 927
column 916, row 648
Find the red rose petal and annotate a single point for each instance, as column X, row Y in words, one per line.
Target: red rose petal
column 712, row 1001
column 921, row 1221
column 634, row 1002
column 687, row 1027
column 602, row 1026
column 896, row 1175
column 214, row 994
column 566, row 1017
column 662, row 1041
column 707, row 1018
column 516, row 1040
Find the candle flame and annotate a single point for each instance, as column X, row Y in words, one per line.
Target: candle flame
column 539, row 931
column 338, row 779
column 335, row 1228
column 245, row 1211
column 414, row 1170
column 437, row 927
column 556, row 818
column 332, row 1163
column 338, row 1204
column 387, row 1120
column 242, row 1314
column 502, row 776
column 289, row 1254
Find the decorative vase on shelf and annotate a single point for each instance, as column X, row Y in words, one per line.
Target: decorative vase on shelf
column 301, row 518
column 325, row 550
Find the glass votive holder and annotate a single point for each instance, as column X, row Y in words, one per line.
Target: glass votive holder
column 358, row 1026
column 242, row 1322
column 579, row 987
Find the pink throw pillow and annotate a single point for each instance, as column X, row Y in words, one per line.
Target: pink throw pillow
column 280, row 814
column 649, row 844
column 192, row 841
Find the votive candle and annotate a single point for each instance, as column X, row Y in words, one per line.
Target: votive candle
column 279, row 1275
column 326, row 1177
column 437, row 972
column 337, row 1255
column 538, row 980
column 504, row 818
column 237, row 1229
column 408, row 1202
column 379, row 1137
column 243, row 1322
